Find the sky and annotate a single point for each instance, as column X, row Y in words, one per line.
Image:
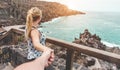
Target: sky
column 91, row 5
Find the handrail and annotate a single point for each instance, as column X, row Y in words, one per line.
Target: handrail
column 104, row 55
column 71, row 47
column 18, row 31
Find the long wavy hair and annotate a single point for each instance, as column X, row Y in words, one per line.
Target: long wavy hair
column 32, row 15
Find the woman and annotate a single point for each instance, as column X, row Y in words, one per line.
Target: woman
column 36, row 41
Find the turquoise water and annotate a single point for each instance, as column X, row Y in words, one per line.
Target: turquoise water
column 106, row 25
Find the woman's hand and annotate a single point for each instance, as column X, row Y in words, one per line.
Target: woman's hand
column 48, row 54
column 51, row 58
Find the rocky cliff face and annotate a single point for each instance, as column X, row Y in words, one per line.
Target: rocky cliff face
column 17, row 9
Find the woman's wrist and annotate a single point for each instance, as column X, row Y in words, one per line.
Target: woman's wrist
column 47, row 49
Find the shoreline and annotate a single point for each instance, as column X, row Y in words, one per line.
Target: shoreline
column 110, row 44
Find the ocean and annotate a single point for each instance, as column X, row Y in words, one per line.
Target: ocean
column 104, row 24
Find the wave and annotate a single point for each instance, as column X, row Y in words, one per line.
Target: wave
column 110, row 44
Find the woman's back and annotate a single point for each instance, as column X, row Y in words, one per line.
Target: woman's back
column 32, row 52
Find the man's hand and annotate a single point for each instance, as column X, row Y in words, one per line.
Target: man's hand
column 39, row 63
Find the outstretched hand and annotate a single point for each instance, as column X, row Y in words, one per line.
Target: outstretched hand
column 39, row 63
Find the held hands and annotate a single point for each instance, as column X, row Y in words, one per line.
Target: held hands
column 48, row 56
column 39, row 63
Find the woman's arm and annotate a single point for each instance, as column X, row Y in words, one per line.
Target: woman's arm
column 41, row 62
column 36, row 43
column 35, row 36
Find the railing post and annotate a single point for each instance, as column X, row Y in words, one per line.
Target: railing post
column 69, row 59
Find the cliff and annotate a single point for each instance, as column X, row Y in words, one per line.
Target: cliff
column 16, row 10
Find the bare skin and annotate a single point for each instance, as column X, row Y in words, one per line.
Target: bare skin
column 35, row 36
column 43, row 61
column 37, row 64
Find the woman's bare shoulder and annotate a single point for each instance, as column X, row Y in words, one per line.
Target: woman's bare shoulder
column 34, row 32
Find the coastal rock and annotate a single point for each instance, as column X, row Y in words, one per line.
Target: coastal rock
column 90, row 61
column 2, row 66
column 15, row 56
column 113, row 49
column 94, row 41
column 108, row 66
column 7, row 66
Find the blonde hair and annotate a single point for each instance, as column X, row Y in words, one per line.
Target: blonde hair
column 32, row 15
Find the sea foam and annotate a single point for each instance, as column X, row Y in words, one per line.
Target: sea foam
column 110, row 44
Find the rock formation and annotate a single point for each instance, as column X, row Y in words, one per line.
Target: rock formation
column 94, row 41
column 15, row 10
column 90, row 40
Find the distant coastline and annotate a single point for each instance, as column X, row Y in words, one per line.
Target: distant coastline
column 95, row 22
column 17, row 10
